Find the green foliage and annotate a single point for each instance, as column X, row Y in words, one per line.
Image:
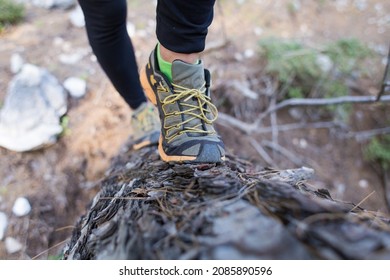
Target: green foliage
column 346, row 53
column 379, row 150
column 289, row 59
column 55, row 257
column 10, row 13
column 295, row 92
column 306, row 70
column 292, row 7
column 337, row 89
column 64, row 121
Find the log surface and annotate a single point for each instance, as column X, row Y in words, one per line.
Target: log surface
column 148, row 209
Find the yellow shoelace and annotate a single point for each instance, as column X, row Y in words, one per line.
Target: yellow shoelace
column 182, row 95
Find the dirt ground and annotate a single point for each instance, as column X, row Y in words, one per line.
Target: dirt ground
column 60, row 180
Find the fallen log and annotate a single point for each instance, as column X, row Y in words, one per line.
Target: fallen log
column 149, row 209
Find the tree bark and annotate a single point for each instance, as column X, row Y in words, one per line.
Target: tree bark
column 149, row 209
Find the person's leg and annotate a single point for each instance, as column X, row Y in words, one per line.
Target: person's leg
column 182, row 25
column 181, row 30
column 106, row 29
column 182, row 91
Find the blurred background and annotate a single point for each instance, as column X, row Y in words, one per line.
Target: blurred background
column 260, row 53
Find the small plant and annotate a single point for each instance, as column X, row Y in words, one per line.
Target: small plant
column 295, row 92
column 289, row 59
column 64, row 121
column 379, row 150
column 55, row 257
column 10, row 13
column 293, row 7
column 347, row 53
column 308, row 71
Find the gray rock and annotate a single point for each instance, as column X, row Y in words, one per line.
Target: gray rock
column 3, row 224
column 30, row 117
column 239, row 231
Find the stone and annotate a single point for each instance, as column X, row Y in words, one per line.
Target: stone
column 364, row 184
column 73, row 56
column 12, row 245
column 3, row 224
column 76, row 17
column 16, row 62
column 75, row 86
column 131, row 29
column 21, row 207
column 30, row 117
column 49, row 4
column 361, row 5
column 324, row 62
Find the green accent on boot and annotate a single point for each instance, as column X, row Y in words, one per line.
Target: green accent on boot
column 165, row 66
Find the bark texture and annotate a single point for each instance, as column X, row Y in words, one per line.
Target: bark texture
column 148, row 209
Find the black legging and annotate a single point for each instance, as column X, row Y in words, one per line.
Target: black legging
column 181, row 27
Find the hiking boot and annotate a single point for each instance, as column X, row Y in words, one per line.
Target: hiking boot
column 186, row 112
column 146, row 126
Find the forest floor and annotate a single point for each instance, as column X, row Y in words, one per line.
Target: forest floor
column 60, row 180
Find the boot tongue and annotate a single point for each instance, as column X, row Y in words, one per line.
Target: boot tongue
column 187, row 75
column 190, row 76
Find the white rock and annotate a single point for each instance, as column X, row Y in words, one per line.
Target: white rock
column 341, row 5
column 361, row 4
column 70, row 59
column 30, row 117
column 93, row 58
column 131, row 29
column 303, row 143
column 48, row 4
column 3, row 224
column 30, row 75
column 258, row 31
column 12, row 245
column 378, row 7
column 58, row 41
column 72, row 56
column 324, row 62
column 76, row 17
column 296, row 113
column 21, row 207
column 248, row 53
column 75, row 86
column 363, row 184
column 16, row 62
column 238, row 56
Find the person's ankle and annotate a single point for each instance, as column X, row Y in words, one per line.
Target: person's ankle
column 170, row 56
column 166, row 57
column 164, row 65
